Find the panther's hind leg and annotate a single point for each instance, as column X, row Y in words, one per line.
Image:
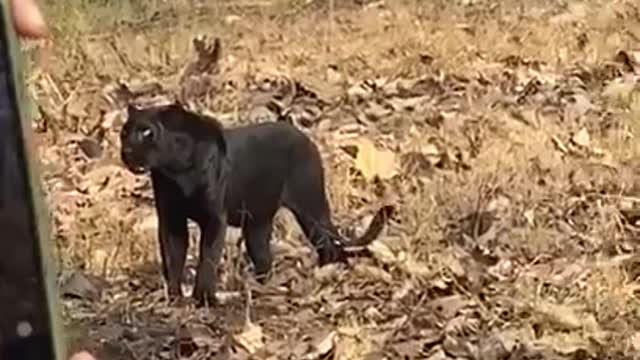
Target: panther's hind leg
column 323, row 236
column 258, row 242
column 306, row 198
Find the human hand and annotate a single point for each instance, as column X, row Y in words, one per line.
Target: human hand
column 83, row 355
column 27, row 18
column 29, row 22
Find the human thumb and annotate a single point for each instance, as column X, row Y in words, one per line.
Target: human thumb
column 27, row 18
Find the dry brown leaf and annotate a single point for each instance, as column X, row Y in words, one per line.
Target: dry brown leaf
column 98, row 179
column 492, row 347
column 578, row 107
column 447, row 307
column 564, row 343
column 618, row 90
column 457, row 347
column 406, row 288
column 634, row 101
column 76, row 106
column 635, row 341
column 510, row 338
column 573, row 13
column 146, row 223
column 414, row 267
column 569, row 274
column 592, row 329
column 359, row 91
column 433, row 153
column 630, row 59
column 410, row 349
column 456, row 267
column 202, row 335
column 373, row 162
column 353, row 343
column 582, row 138
column 561, row 316
column 438, row 354
column 251, row 338
column 373, row 273
column 322, row 345
column 112, row 119
column 326, row 273
column 560, row 146
column 98, row 259
column 325, row 344
column 382, row 252
column 409, row 104
column 441, row 283
column 461, row 326
column 226, row 297
column 530, row 216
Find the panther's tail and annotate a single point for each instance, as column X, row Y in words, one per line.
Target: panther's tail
column 373, row 231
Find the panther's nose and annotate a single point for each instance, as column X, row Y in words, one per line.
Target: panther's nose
column 127, row 153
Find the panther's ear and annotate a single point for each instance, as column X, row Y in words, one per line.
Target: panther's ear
column 215, row 127
column 131, row 109
column 218, row 135
column 177, row 105
column 224, row 165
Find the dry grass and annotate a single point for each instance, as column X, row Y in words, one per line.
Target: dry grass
column 514, row 217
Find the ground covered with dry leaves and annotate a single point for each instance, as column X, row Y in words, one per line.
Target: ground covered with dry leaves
column 503, row 131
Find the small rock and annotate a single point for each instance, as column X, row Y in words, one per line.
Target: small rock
column 83, row 286
column 334, row 76
column 90, row 147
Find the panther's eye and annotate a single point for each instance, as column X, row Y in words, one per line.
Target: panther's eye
column 143, row 134
column 139, row 135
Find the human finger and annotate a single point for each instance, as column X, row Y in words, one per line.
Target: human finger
column 27, row 18
column 83, row 355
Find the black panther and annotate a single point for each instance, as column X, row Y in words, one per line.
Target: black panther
column 236, row 176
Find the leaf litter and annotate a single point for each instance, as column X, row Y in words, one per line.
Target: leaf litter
column 515, row 176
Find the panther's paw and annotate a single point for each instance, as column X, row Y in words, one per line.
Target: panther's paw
column 174, row 292
column 333, row 253
column 262, row 277
column 204, row 297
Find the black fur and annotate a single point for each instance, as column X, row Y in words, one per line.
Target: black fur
column 239, row 177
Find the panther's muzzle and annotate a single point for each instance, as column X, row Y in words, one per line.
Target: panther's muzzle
column 131, row 161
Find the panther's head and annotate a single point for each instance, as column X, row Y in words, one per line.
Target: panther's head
column 174, row 141
column 141, row 140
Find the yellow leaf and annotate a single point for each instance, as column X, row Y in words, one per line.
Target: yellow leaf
column 373, row 162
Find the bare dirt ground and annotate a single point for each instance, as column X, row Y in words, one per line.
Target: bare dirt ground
column 504, row 132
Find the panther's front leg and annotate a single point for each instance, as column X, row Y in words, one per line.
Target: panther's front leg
column 174, row 240
column 173, row 234
column 213, row 233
